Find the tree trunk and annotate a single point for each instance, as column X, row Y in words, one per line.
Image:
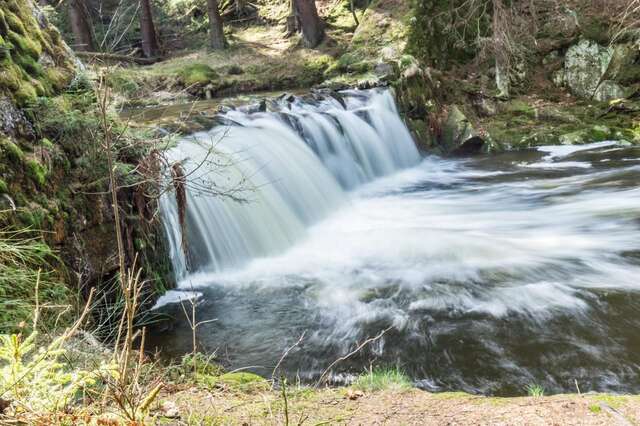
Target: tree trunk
column 150, row 46
column 293, row 25
column 241, row 6
column 79, row 17
column 216, row 29
column 312, row 25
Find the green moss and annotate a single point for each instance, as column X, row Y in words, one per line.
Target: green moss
column 10, row 76
column 37, row 173
column 46, row 143
column 57, row 77
column 11, row 151
column 4, row 188
column 519, row 107
column 25, row 44
column 25, row 94
column 123, row 82
column 14, row 23
column 197, row 75
column 4, row 26
column 243, row 381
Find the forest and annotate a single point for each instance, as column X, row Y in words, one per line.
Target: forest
column 314, row 212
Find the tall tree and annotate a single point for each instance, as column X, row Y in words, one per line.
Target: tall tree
column 216, row 29
column 241, row 6
column 79, row 17
column 312, row 25
column 150, row 46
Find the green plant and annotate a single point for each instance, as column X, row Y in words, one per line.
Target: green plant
column 25, row 259
column 535, row 391
column 379, row 378
column 33, row 376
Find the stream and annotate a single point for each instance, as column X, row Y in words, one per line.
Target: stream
column 490, row 273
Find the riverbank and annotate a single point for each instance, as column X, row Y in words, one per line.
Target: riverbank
column 345, row 406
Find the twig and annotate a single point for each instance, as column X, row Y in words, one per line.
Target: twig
column 284, row 355
column 350, row 354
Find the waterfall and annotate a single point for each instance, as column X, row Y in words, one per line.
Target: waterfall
column 258, row 182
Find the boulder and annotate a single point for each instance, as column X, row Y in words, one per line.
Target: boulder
column 585, row 65
column 608, row 90
column 458, row 135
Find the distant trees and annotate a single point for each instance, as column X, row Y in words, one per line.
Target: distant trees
column 310, row 22
column 150, row 46
column 80, row 25
column 217, row 40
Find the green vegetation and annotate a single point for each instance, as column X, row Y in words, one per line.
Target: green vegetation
column 535, row 391
column 380, row 378
column 197, row 74
column 24, row 261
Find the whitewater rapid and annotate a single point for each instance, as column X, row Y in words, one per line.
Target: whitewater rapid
column 492, row 272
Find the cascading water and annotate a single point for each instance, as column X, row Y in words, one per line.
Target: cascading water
column 257, row 183
column 491, row 273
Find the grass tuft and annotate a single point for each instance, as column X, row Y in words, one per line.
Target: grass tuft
column 535, row 391
column 379, row 379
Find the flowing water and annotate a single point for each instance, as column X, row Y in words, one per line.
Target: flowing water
column 491, row 272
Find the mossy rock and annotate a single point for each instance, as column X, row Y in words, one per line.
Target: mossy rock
column 11, row 151
column 37, row 173
column 197, row 75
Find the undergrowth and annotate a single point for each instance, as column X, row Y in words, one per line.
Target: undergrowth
column 24, row 260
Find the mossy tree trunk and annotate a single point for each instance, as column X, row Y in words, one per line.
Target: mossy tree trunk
column 79, row 18
column 312, row 25
column 150, row 46
column 216, row 29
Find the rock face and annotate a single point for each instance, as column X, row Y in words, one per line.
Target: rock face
column 458, row 135
column 585, row 64
column 593, row 71
column 35, row 60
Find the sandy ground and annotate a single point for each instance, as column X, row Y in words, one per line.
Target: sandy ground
column 413, row 407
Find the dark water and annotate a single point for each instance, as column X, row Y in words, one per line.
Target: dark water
column 493, row 273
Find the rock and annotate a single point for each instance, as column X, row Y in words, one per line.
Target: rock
column 556, row 114
column 595, row 134
column 551, row 58
column 354, row 394
column 13, row 122
column 389, row 53
column 585, row 65
column 169, row 410
column 624, row 56
column 559, row 77
column 484, row 106
column 458, row 135
column 383, row 70
column 412, row 71
column 608, row 90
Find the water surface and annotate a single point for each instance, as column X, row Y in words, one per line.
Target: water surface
column 493, row 273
